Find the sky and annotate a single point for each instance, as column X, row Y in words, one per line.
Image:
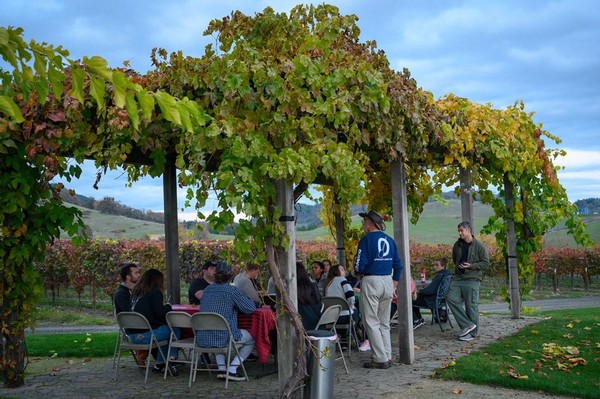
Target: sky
column 545, row 53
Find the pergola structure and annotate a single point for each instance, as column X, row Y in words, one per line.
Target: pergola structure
column 285, row 100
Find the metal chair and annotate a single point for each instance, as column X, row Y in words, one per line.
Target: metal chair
column 349, row 327
column 328, row 321
column 209, row 321
column 441, row 302
column 135, row 321
column 181, row 320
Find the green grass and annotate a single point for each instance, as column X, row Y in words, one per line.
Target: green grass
column 519, row 361
column 71, row 345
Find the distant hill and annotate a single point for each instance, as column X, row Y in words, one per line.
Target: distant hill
column 436, row 225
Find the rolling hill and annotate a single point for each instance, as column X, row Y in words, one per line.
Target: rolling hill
column 436, row 225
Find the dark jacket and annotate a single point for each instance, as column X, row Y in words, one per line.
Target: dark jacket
column 430, row 291
column 310, row 313
column 122, row 299
column 477, row 256
column 151, row 305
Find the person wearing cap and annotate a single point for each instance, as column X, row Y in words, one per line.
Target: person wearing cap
column 197, row 286
column 226, row 300
column 378, row 263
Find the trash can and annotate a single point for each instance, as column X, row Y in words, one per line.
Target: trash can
column 321, row 361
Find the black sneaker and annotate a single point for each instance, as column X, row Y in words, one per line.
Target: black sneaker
column 252, row 358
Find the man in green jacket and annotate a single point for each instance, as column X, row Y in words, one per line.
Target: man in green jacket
column 470, row 258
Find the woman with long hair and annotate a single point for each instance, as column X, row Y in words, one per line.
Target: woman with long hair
column 147, row 298
column 336, row 285
column 309, row 299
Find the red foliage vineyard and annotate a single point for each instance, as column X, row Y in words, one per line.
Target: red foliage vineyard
column 95, row 264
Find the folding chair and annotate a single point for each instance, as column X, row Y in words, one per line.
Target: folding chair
column 328, row 321
column 181, row 320
column 209, row 321
column 441, row 302
column 136, row 321
column 349, row 327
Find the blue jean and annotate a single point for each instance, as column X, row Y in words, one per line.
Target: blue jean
column 161, row 333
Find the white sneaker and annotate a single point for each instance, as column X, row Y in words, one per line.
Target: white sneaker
column 467, row 330
column 365, row 346
column 467, row 337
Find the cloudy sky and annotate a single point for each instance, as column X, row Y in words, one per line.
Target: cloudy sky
column 545, row 53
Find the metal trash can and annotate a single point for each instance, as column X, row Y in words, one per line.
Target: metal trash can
column 321, row 361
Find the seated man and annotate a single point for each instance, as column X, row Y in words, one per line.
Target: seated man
column 245, row 282
column 227, row 300
column 426, row 296
column 198, row 285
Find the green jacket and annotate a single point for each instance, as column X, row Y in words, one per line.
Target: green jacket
column 477, row 257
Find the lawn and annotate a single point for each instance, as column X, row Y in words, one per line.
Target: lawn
column 559, row 355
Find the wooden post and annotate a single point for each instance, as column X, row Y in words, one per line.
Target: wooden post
column 399, row 208
column 466, row 199
column 171, row 231
column 511, row 245
column 286, row 343
column 339, row 237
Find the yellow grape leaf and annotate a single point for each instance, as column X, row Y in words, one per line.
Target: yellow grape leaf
column 524, row 350
column 570, row 325
column 54, row 355
column 535, row 332
column 417, row 347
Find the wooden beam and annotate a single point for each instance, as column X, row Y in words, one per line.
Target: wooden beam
column 466, row 199
column 171, row 231
column 511, row 245
column 286, row 343
column 400, row 213
column 339, row 237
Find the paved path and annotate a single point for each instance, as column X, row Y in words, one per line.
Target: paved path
column 93, row 378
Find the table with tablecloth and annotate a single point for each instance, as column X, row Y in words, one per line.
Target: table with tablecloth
column 258, row 324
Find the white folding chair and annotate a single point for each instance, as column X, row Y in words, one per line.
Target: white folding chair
column 328, row 320
column 135, row 321
column 209, row 321
column 349, row 327
column 181, row 320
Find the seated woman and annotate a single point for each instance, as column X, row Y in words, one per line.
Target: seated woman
column 336, row 285
column 147, row 299
column 309, row 299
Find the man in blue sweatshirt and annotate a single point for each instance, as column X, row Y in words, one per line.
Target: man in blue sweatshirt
column 378, row 263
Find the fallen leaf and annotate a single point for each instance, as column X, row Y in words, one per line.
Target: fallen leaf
column 457, row 391
column 578, row 360
column 417, row 347
column 516, row 357
column 587, row 328
column 569, row 336
column 570, row 325
column 535, row 332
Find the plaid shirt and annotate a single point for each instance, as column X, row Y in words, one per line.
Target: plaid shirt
column 227, row 300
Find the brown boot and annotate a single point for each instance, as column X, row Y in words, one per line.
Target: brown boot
column 141, row 357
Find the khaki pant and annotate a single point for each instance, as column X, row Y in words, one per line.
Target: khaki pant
column 375, row 302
